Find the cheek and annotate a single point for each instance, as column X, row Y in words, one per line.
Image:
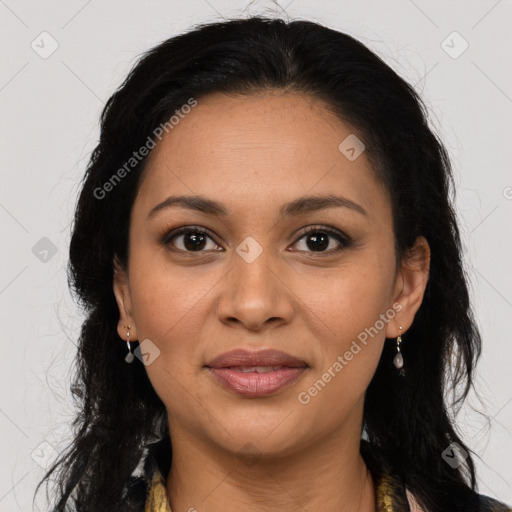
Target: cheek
column 354, row 309
column 166, row 312
column 164, row 296
column 170, row 308
column 352, row 298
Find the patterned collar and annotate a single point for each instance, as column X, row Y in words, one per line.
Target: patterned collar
column 391, row 493
column 157, row 498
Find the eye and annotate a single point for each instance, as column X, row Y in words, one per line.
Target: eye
column 318, row 239
column 192, row 239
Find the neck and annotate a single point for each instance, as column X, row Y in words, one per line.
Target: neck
column 330, row 476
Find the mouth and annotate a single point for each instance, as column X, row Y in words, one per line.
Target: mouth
column 256, row 374
column 256, row 369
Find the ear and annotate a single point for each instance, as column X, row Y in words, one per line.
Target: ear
column 410, row 284
column 122, row 292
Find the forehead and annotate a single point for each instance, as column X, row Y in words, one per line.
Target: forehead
column 254, row 148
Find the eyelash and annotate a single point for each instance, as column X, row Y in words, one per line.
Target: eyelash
column 344, row 240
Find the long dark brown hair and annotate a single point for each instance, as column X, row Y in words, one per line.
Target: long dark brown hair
column 411, row 418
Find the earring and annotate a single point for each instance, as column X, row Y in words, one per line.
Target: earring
column 129, row 357
column 398, row 360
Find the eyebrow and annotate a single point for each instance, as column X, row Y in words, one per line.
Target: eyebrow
column 299, row 206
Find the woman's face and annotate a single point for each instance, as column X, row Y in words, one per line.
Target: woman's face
column 258, row 280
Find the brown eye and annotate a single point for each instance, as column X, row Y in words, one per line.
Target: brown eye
column 195, row 240
column 318, row 239
column 189, row 240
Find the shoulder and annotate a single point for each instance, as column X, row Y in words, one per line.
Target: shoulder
column 488, row 504
column 391, row 484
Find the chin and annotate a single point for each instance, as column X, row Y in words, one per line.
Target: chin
column 265, row 436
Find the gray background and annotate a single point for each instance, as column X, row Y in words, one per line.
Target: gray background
column 49, row 124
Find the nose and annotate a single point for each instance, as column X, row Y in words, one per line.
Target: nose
column 254, row 294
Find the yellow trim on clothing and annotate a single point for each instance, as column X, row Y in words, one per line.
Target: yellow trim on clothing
column 157, row 499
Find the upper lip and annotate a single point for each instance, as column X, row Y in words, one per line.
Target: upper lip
column 242, row 357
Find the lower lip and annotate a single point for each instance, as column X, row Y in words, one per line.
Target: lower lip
column 252, row 384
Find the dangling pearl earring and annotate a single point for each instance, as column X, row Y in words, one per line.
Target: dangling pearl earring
column 398, row 360
column 129, row 357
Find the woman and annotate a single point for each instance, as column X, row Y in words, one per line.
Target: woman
column 272, row 273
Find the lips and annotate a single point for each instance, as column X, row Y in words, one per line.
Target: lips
column 256, row 374
column 244, row 358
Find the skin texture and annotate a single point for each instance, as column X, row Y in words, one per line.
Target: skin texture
column 254, row 153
